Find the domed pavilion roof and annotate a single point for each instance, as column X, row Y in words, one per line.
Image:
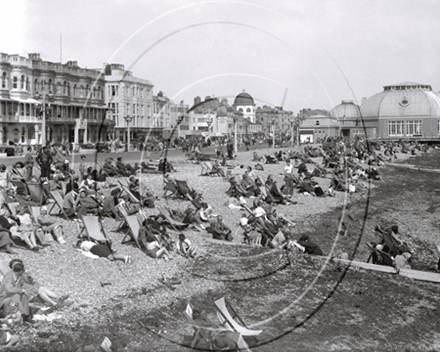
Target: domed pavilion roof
column 346, row 110
column 407, row 99
column 243, row 99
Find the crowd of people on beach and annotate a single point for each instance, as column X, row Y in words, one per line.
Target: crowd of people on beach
column 47, row 180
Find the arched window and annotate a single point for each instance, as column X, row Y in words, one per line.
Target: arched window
column 99, row 92
column 317, row 123
column 75, row 91
column 35, row 86
column 27, row 84
column 14, row 82
column 248, row 110
column 240, row 110
column 65, row 88
column 58, row 91
column 81, row 92
column 49, row 87
column 4, row 82
column 94, row 92
column 22, row 80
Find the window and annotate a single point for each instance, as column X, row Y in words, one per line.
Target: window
column 317, row 123
column 413, row 127
column 65, row 88
column 27, row 84
column 240, row 110
column 4, row 85
column 31, row 133
column 75, row 91
column 112, row 90
column 58, row 90
column 81, row 92
column 35, row 86
column 395, row 128
column 22, row 82
column 248, row 110
column 15, row 82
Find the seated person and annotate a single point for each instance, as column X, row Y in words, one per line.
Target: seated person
column 185, row 248
column 192, row 217
column 122, row 168
column 70, row 202
column 51, row 225
column 219, row 230
column 146, row 167
column 109, row 169
column 89, row 184
column 110, row 203
column 25, row 230
column 86, row 204
column 5, row 241
column 157, row 226
column 13, row 197
column 165, row 166
column 310, row 247
column 134, row 187
column 103, row 251
column 151, row 243
column 249, row 185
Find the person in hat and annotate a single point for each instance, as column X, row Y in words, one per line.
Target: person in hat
column 310, row 247
column 86, row 204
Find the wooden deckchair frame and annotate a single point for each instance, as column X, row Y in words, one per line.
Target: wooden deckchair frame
column 133, row 229
column 164, row 211
column 13, row 207
column 58, row 198
column 224, row 310
column 125, row 189
column 93, row 228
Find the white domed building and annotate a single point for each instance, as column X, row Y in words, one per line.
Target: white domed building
column 349, row 118
column 403, row 110
column 244, row 103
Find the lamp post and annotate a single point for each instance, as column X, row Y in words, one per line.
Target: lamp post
column 128, row 119
column 273, row 119
column 235, row 118
column 46, row 94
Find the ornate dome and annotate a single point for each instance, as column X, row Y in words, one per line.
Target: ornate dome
column 406, row 99
column 243, row 99
column 346, row 110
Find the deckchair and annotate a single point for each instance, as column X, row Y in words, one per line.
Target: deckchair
column 224, row 310
column 164, row 211
column 382, row 258
column 206, row 168
column 4, row 267
column 133, row 229
column 36, row 192
column 125, row 189
column 13, row 207
column 169, row 187
column 93, row 228
column 183, row 189
column 58, row 198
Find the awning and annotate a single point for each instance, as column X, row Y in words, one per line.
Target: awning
column 26, row 101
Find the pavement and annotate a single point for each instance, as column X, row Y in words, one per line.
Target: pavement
column 131, row 156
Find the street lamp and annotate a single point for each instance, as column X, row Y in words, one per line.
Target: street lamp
column 273, row 119
column 128, row 119
column 235, row 118
column 43, row 96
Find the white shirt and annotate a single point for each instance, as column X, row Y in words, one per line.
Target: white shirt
column 87, row 245
column 259, row 212
column 288, row 169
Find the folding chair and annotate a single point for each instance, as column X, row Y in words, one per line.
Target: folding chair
column 133, row 228
column 169, row 187
column 164, row 211
column 382, row 258
column 36, row 192
column 206, row 168
column 13, row 207
column 58, row 198
column 125, row 189
column 93, row 228
column 4, row 268
column 224, row 310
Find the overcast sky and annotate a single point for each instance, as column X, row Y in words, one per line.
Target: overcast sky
column 308, row 49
